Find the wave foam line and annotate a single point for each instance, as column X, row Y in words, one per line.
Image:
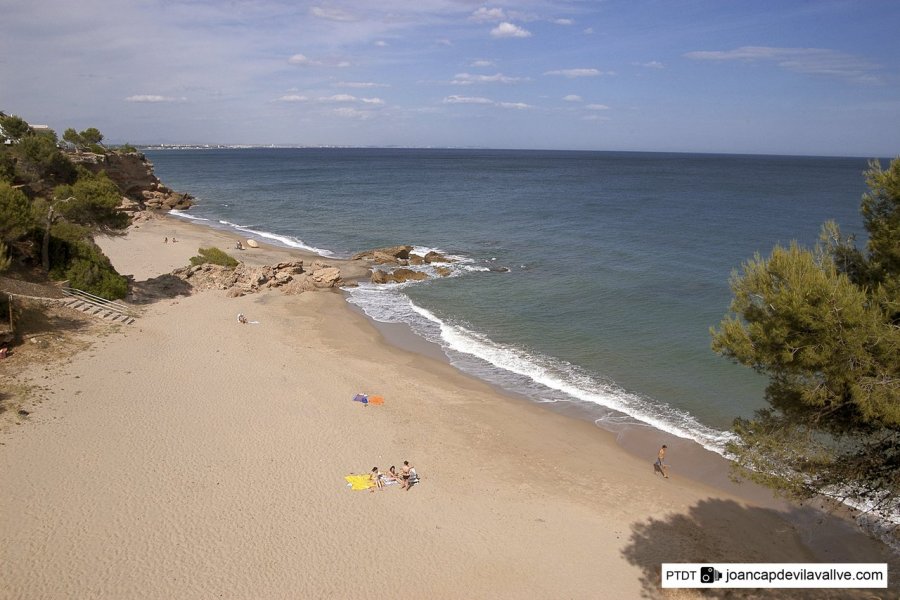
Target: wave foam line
column 285, row 240
column 575, row 385
column 184, row 215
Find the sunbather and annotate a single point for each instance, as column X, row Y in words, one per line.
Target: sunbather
column 377, row 478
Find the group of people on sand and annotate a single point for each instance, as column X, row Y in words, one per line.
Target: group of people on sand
column 166, row 240
column 406, row 476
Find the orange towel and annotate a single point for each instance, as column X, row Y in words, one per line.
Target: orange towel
column 376, row 400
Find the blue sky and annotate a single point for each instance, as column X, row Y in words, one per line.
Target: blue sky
column 704, row 76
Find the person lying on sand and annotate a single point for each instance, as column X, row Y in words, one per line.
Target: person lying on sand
column 242, row 318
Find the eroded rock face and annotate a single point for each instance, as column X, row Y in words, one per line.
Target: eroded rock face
column 289, row 277
column 134, row 176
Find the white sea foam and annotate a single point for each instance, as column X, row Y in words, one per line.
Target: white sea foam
column 184, row 215
column 542, row 378
column 285, row 240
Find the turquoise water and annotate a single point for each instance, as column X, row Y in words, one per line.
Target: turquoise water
column 618, row 263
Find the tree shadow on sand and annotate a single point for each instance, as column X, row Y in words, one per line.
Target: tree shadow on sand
column 35, row 320
column 723, row 531
column 159, row 288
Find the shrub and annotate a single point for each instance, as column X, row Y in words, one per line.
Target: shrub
column 213, row 256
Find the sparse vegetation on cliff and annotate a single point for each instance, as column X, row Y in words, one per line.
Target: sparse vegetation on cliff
column 213, row 256
column 50, row 209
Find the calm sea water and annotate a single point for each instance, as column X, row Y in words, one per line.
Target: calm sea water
column 618, row 262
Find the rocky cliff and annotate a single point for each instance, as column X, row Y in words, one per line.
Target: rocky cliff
column 133, row 173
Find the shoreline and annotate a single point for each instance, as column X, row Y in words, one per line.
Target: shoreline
column 639, row 440
column 189, row 455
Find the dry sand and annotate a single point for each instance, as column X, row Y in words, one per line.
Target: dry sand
column 190, row 456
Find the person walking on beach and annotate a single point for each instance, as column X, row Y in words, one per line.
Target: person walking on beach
column 659, row 465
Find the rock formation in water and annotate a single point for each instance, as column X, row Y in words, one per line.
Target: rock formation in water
column 402, row 257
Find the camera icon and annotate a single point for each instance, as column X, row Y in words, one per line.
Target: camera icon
column 709, row 575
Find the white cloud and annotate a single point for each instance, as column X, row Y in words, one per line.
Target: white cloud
column 381, row 43
column 481, row 63
column 508, row 30
column 293, row 98
column 485, row 101
column 302, row 60
column 594, row 118
column 514, row 105
column 564, row 21
column 469, row 79
column 466, row 100
column 653, row 64
column 347, row 112
column 332, row 14
column 444, row 42
column 488, row 15
column 597, row 107
column 573, row 98
column 813, row 61
column 573, row 73
column 152, row 98
column 588, row 31
column 347, row 98
column 360, row 84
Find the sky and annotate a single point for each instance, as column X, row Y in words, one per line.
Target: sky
column 759, row 77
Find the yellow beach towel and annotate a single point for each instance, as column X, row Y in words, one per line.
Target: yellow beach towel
column 359, row 482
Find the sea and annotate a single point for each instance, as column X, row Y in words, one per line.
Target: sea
column 587, row 278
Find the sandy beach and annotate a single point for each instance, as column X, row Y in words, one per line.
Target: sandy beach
column 191, row 456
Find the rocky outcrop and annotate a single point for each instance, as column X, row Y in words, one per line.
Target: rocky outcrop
column 390, row 254
column 400, row 275
column 289, row 277
column 401, row 256
column 134, row 176
column 433, row 257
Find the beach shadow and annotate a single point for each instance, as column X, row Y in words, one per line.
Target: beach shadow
column 36, row 320
column 159, row 288
column 723, row 531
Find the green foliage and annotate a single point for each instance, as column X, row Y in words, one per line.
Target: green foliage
column 71, row 136
column 126, row 149
column 881, row 214
column 92, row 200
column 14, row 127
column 85, row 266
column 89, row 139
column 91, row 135
column 823, row 326
column 38, row 158
column 5, row 260
column 213, row 256
column 16, row 217
column 7, row 165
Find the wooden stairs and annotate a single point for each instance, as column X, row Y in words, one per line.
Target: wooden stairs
column 98, row 307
